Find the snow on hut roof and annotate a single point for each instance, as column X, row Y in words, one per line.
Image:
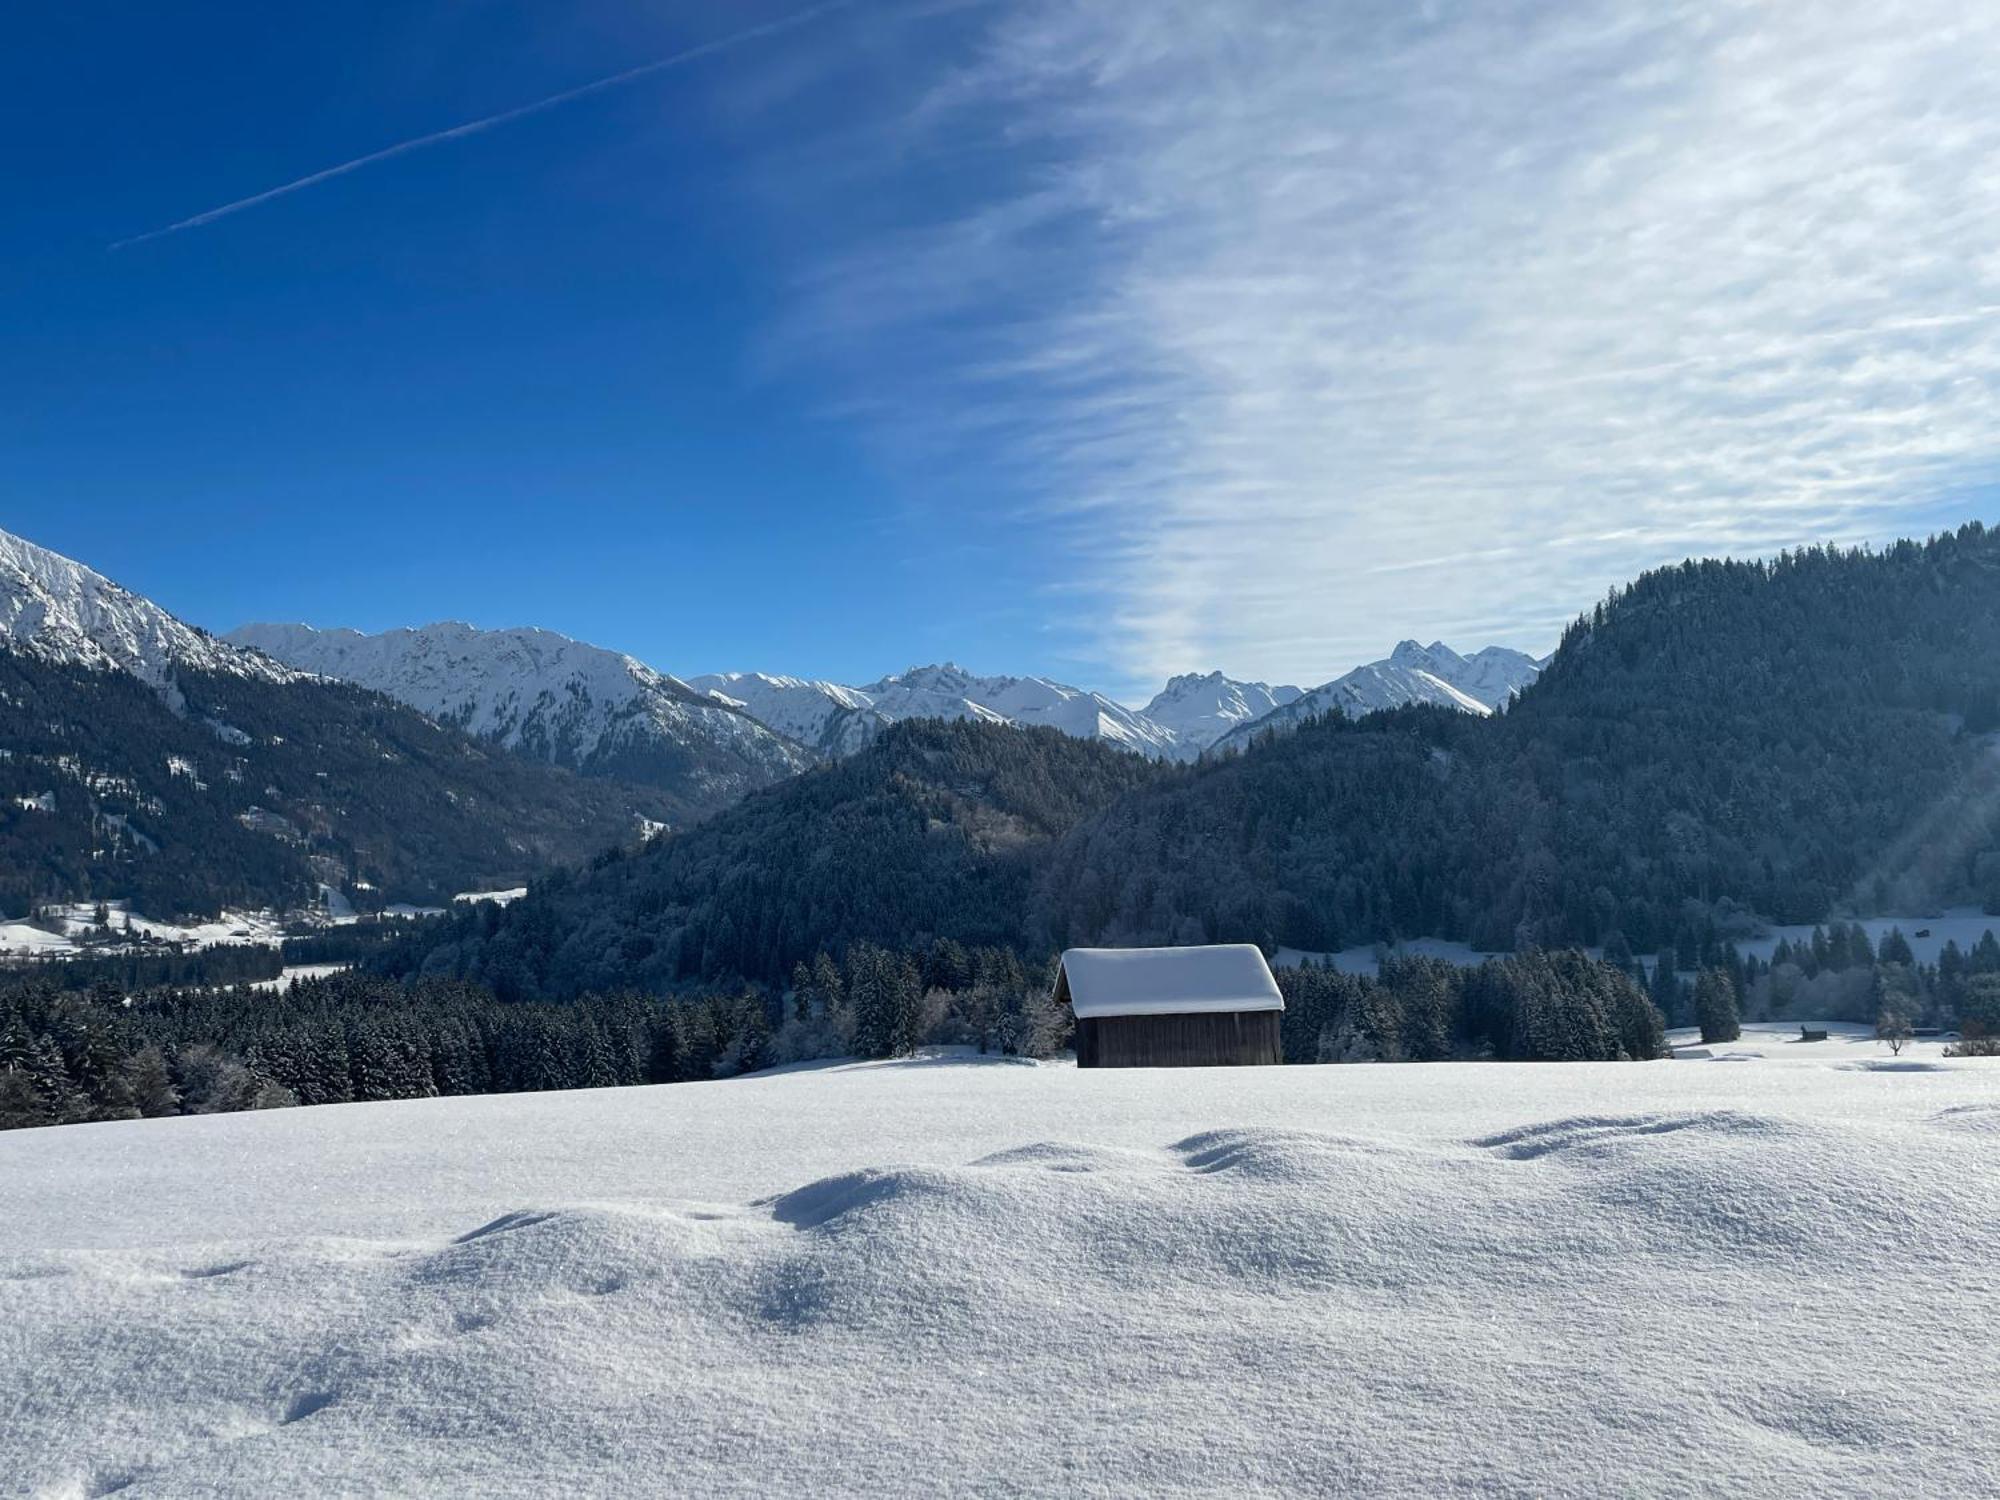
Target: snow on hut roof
column 1166, row 981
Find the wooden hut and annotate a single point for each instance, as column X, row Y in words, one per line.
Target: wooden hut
column 1171, row 1007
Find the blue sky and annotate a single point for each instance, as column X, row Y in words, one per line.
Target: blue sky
column 1101, row 339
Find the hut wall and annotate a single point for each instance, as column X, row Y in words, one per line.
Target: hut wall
column 1231, row 1039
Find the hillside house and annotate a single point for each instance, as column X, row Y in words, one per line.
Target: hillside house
column 1215, row 1006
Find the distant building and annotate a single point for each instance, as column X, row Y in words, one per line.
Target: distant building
column 1171, row 1007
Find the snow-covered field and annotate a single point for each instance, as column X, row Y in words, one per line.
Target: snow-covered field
column 24, row 939
column 81, row 937
column 949, row 1276
column 1846, row 1046
column 79, row 925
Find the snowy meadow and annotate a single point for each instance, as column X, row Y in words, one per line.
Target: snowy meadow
column 1758, row 1272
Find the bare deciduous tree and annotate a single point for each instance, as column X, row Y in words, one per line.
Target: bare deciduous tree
column 1893, row 1027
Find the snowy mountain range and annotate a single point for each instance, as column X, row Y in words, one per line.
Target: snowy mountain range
column 550, row 698
column 837, row 720
column 1191, row 715
column 713, row 737
column 59, row 611
column 1481, row 683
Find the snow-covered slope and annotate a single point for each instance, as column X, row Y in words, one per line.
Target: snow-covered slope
column 1435, row 674
column 1755, row 1278
column 950, row 692
column 838, row 719
column 1199, row 710
column 63, row 612
column 826, row 717
column 1491, row 676
column 1365, row 690
column 551, row 698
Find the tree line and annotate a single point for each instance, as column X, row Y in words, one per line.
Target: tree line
column 156, row 966
column 1528, row 1007
column 1837, row 973
column 77, row 1055
column 72, row 1055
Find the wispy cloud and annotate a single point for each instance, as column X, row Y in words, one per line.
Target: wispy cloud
column 488, row 122
column 1309, row 326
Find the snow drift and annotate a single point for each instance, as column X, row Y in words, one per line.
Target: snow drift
column 1674, row 1278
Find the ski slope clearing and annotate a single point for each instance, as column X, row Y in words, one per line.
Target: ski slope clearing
column 952, row 1276
column 490, row 898
column 292, row 974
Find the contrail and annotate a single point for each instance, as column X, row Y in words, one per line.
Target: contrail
column 474, row 127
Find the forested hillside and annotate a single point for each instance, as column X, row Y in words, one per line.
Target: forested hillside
column 936, row 829
column 1778, row 738
column 1720, row 741
column 255, row 791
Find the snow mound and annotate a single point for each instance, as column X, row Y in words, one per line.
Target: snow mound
column 1652, row 1302
column 1600, row 1133
column 1973, row 1119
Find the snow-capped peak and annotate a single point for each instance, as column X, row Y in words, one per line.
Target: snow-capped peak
column 949, row 691
column 1481, row 683
column 61, row 611
column 548, row 696
column 826, row 717
column 1199, row 709
column 1491, row 676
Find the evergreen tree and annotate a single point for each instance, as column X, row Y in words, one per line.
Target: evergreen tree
column 153, row 1091
column 1979, row 1006
column 828, row 987
column 1859, row 950
column 1715, row 1006
column 802, row 992
column 1427, row 992
column 21, row 1104
column 1666, row 988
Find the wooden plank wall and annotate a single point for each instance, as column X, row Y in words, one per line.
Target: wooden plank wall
column 1197, row 1041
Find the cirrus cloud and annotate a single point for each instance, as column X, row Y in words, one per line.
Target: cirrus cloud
column 1308, row 326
